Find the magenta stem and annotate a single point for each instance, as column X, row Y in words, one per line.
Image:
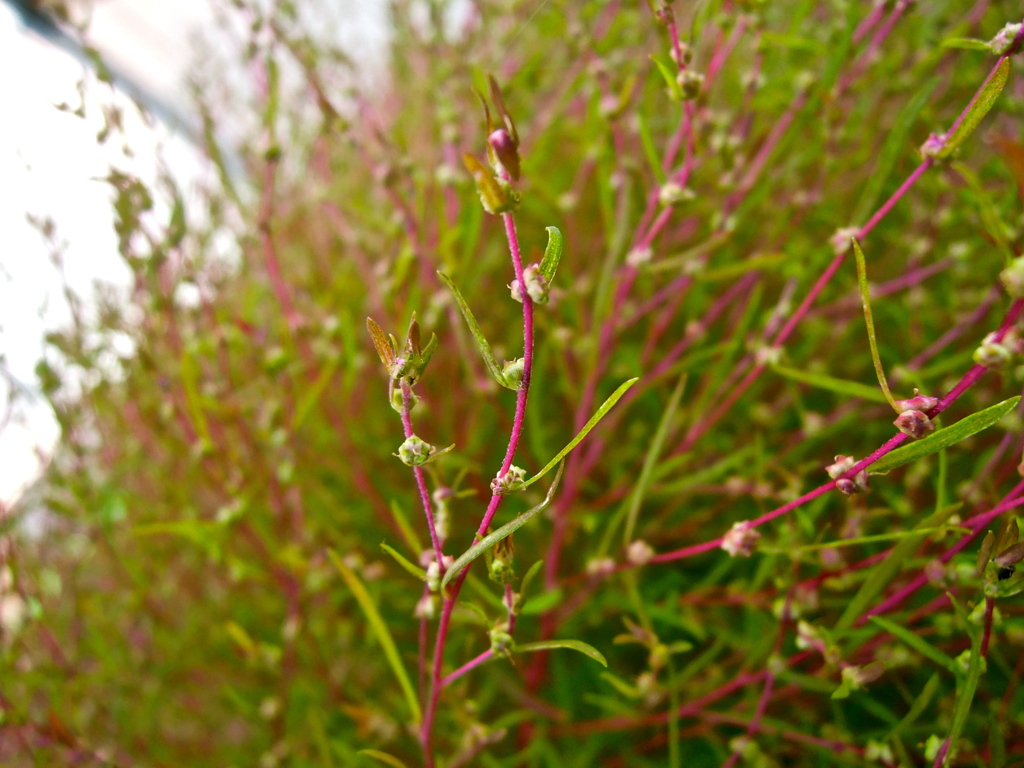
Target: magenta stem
column 421, row 480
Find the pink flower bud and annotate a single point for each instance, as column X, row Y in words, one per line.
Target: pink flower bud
column 914, row 423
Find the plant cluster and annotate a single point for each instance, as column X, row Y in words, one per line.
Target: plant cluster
column 676, row 262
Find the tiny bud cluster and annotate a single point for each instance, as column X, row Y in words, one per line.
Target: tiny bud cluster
column 740, row 539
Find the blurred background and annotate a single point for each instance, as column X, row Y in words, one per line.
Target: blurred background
column 52, row 165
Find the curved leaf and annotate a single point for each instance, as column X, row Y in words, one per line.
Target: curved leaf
column 383, row 757
column 605, row 407
column 946, row 437
column 575, row 645
column 552, row 254
column 478, row 335
column 977, row 109
column 494, row 537
column 380, row 629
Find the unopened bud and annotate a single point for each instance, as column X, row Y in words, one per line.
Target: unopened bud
column 1003, row 41
column 690, row 83
column 914, row 423
column 933, row 146
column 499, row 561
column 672, row 194
column 740, row 540
column 505, row 152
column 512, row 372
column 510, row 482
column 639, row 552
column 501, row 640
column 536, row 286
column 601, row 566
column 992, row 354
column 841, row 240
column 918, row 402
column 857, row 677
column 415, row 451
column 1012, row 277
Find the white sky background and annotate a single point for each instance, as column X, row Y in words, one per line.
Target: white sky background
column 49, row 163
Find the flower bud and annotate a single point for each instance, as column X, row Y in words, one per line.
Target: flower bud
column 536, row 286
column 495, row 195
column 857, row 677
column 501, row 640
column 672, row 193
column 415, row 451
column 603, row 566
column 841, row 240
column 1003, row 41
column 690, row 82
column 512, row 372
column 992, row 354
column 918, row 402
column 639, row 552
column 503, row 152
column 740, row 540
column 426, row 608
column 510, row 482
column 1012, row 278
column 933, row 146
column 499, row 561
column 914, row 423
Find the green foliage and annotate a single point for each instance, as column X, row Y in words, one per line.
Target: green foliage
column 210, row 588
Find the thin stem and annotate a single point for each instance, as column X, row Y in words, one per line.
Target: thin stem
column 421, row 480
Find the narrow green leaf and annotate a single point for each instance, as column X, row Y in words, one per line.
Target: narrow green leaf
column 926, row 649
column 552, row 254
column 977, row 109
column 524, row 585
column 865, row 298
column 415, row 570
column 921, row 703
column 885, row 571
column 990, row 217
column 649, row 150
column 312, row 395
column 966, row 44
column 669, row 76
column 970, row 684
column 660, row 434
column 895, row 144
column 408, row 532
column 478, row 335
column 575, row 645
column 606, row 406
column 996, row 742
column 383, row 757
column 543, row 602
column 832, row 384
column 866, row 539
column 494, row 537
column 946, row 437
column 380, row 629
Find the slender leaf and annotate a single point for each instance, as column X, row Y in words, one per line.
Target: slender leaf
column 885, row 571
column 946, row 437
column 919, row 706
column 494, row 537
column 865, row 298
column 383, row 757
column 966, row 44
column 478, row 335
column 408, row 532
column 380, row 629
column 832, row 384
column 647, row 142
column 926, row 649
column 977, row 109
column 543, row 602
column 575, row 645
column 415, row 570
column 552, row 254
column 660, row 434
column 970, row 684
column 895, row 144
column 606, row 406
column 669, row 75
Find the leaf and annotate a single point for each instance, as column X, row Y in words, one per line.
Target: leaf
column 885, row 571
column 494, row 537
column 415, row 570
column 832, row 384
column 543, row 602
column 966, row 44
column 380, row 629
column 977, row 109
column 946, row 437
column 674, row 89
column 969, row 686
column 575, row 645
column 605, row 407
column 926, row 649
column 524, row 585
column 865, row 298
column 478, row 335
column 552, row 254
column 383, row 757
column 384, row 346
column 653, row 451
column 649, row 150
